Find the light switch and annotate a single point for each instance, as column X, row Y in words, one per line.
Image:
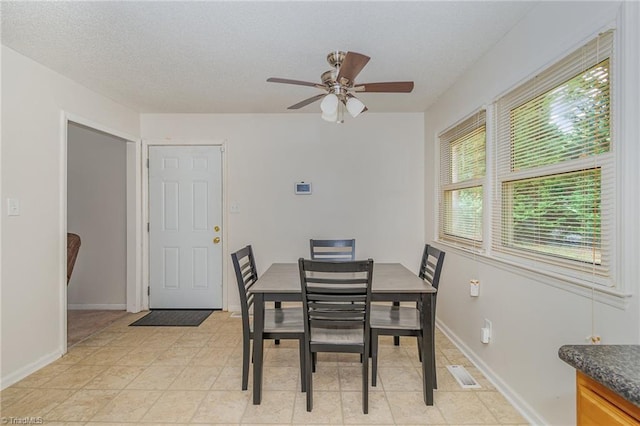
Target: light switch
column 13, row 207
column 234, row 208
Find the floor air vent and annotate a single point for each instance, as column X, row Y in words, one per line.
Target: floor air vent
column 462, row 376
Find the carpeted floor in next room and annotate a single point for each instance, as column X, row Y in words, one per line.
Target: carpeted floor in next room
column 83, row 323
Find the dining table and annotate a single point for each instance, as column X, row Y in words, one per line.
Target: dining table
column 392, row 282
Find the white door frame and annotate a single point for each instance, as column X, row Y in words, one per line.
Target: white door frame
column 145, row 218
column 134, row 217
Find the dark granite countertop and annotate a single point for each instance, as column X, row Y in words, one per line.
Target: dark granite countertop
column 615, row 366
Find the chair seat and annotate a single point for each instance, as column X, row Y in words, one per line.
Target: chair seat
column 337, row 335
column 280, row 320
column 395, row 317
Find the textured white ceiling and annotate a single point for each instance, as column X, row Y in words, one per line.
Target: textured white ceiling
column 199, row 57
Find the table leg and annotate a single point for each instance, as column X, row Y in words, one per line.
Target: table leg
column 258, row 346
column 427, row 348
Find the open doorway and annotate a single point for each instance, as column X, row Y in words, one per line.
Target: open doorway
column 99, row 210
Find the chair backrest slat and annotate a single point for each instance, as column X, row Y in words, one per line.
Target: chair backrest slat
column 250, row 300
column 336, row 297
column 314, row 280
column 335, row 303
column 333, row 250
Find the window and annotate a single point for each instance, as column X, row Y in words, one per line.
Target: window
column 554, row 177
column 462, row 171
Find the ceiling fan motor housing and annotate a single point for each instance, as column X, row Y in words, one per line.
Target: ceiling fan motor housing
column 329, row 77
column 336, row 58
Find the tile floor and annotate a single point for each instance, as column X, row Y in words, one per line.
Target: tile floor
column 83, row 323
column 184, row 375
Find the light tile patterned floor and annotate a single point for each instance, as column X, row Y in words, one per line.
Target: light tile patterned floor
column 188, row 375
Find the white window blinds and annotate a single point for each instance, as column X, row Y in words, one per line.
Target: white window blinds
column 462, row 172
column 555, row 179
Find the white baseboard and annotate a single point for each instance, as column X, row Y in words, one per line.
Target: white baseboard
column 105, row 307
column 16, row 376
column 518, row 403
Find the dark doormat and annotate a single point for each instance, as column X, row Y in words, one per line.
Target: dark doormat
column 173, row 318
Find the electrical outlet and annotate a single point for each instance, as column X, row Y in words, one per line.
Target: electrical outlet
column 13, row 207
column 486, row 331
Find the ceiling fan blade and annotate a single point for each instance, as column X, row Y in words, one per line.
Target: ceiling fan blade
column 387, row 87
column 351, row 66
column 298, row 82
column 308, row 101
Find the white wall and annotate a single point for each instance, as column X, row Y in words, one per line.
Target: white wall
column 532, row 318
column 33, row 268
column 367, row 176
column 96, row 210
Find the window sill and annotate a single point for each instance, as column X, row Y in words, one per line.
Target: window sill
column 607, row 295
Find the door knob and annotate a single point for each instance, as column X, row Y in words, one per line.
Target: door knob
column 216, row 240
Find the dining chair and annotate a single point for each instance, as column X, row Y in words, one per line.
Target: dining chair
column 337, row 302
column 73, row 246
column 334, row 250
column 396, row 320
column 280, row 323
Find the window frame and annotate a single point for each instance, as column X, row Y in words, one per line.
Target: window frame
column 463, row 127
column 575, row 270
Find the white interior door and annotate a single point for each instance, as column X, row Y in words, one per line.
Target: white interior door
column 185, row 215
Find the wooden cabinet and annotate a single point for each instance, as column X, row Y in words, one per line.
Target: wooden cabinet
column 598, row 405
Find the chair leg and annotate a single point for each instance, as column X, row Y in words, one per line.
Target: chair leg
column 309, row 379
column 314, row 361
column 374, row 357
column 277, row 305
column 303, row 369
column 435, row 373
column 246, row 349
column 396, row 339
column 433, row 347
column 419, row 349
column 365, row 384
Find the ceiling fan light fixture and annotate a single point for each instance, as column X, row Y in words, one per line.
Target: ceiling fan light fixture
column 355, row 106
column 331, row 117
column 329, row 104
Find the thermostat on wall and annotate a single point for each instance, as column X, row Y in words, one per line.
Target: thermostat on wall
column 303, row 188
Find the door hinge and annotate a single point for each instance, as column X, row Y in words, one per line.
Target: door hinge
column 149, row 291
column 148, row 227
column 147, row 163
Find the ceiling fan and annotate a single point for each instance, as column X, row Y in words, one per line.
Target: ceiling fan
column 339, row 84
